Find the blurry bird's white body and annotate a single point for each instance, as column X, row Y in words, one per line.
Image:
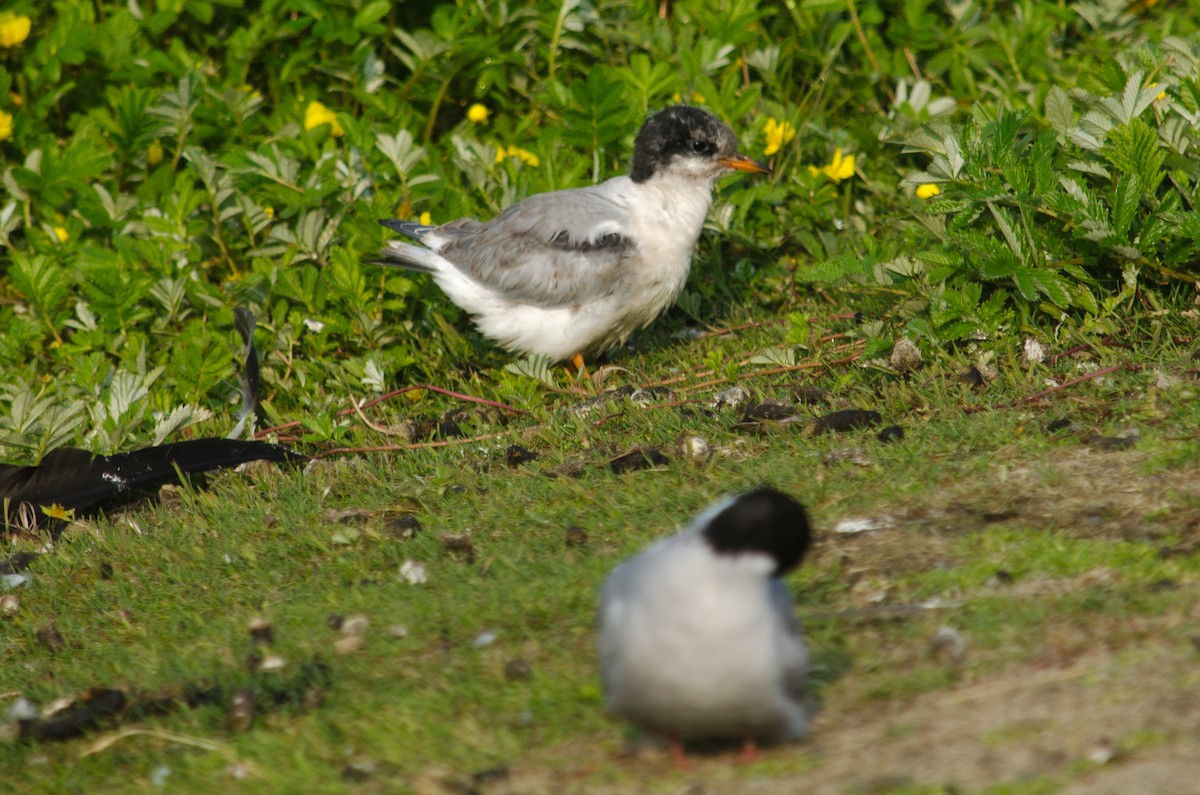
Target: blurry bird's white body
column 698, row 645
column 577, row 271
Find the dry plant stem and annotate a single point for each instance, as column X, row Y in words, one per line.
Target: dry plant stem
column 391, row 448
column 773, row 371
column 448, row 393
column 108, row 740
column 355, row 408
column 1095, row 374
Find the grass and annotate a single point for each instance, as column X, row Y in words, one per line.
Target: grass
column 159, row 599
column 154, row 185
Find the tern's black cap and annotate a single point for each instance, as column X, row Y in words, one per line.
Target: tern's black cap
column 679, row 131
column 765, row 521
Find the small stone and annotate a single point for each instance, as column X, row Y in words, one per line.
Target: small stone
column 359, row 769
column 734, row 396
column 240, row 715
column 403, row 526
column 1033, row 352
column 892, row 433
column 348, row 644
column 905, row 357
column 1102, row 752
column 261, row 631
column 845, row 420
column 485, row 639
column 848, row 455
column 459, row 545
column 575, row 536
column 1060, row 424
column 397, row 631
column 271, row 663
column 413, row 573
column 637, row 458
column 693, row 448
column 515, row 455
column 355, row 625
column 948, row 644
column 768, row 410
column 518, row 669
column 50, row 637
column 9, row 605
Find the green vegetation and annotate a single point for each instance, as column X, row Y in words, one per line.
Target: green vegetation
column 165, row 163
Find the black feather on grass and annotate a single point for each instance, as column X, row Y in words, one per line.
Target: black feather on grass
column 73, row 479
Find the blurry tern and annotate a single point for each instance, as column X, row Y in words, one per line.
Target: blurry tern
column 697, row 639
column 576, row 271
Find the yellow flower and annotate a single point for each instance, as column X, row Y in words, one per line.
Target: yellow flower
column 1161, row 94
column 154, row 153
column 524, row 155
column 6, row 122
column 269, row 211
column 927, row 190
column 426, row 219
column 317, row 114
column 839, row 168
column 56, row 511
column 13, row 29
column 778, row 133
column 61, row 233
column 477, row 113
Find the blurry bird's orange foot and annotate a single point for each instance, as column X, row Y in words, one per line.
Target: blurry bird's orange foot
column 749, row 752
column 580, row 367
column 677, row 753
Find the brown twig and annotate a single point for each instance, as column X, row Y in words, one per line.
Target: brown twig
column 392, row 448
column 356, row 409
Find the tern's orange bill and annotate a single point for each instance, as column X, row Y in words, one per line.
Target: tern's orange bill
column 743, row 163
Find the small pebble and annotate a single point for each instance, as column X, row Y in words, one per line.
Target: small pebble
column 413, row 573
column 905, row 357
column 271, row 663
column 240, row 715
column 693, row 448
column 518, row 669
column 50, row 637
column 948, row 644
column 348, row 644
column 734, row 396
column 892, row 433
column 355, row 625
column 261, row 631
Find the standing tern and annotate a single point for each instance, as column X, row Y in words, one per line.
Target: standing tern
column 697, row 639
column 577, row 271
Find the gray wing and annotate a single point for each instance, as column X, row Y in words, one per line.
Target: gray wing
column 553, row 249
column 795, row 655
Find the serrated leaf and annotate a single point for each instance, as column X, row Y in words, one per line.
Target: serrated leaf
column 1059, row 110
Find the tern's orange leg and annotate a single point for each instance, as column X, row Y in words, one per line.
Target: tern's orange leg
column 580, row 368
column 677, row 752
column 749, row 752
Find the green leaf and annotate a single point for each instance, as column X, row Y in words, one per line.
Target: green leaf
column 1059, row 110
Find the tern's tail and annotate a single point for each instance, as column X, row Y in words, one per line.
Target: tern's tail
column 406, row 228
column 405, row 255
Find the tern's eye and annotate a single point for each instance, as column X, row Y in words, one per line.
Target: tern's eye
column 701, row 147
